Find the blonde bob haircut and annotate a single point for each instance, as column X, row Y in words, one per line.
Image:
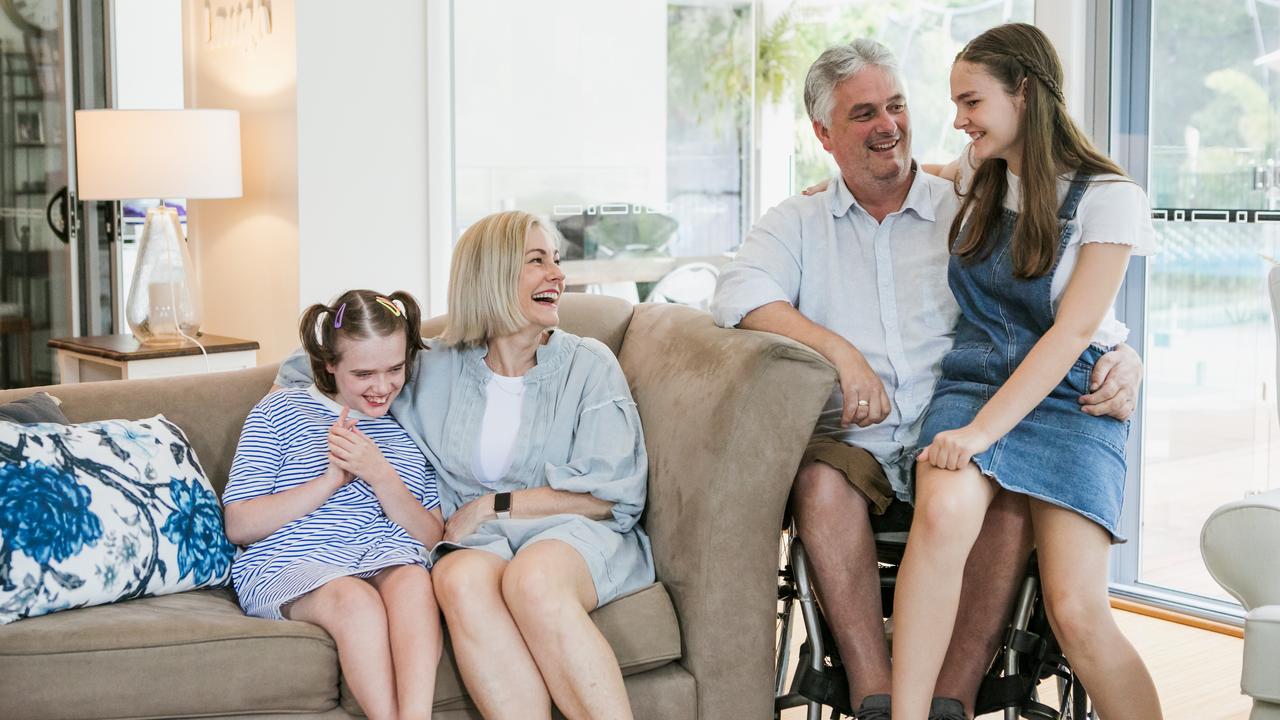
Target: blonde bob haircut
column 484, row 277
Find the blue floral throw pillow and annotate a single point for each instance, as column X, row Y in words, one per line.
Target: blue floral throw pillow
column 103, row 511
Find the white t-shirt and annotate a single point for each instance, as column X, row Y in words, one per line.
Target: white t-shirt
column 1109, row 212
column 504, row 399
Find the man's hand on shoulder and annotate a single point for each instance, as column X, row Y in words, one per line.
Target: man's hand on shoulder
column 1114, row 384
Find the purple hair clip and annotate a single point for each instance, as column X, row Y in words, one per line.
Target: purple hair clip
column 337, row 319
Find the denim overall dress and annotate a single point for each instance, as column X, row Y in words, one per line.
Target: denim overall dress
column 1057, row 453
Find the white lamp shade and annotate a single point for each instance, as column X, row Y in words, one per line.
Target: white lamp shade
column 133, row 154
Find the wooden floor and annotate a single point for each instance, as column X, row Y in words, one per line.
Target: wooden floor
column 1197, row 672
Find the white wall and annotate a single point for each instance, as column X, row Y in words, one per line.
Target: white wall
column 559, row 101
column 148, row 54
column 362, row 148
column 247, row 248
column 333, row 106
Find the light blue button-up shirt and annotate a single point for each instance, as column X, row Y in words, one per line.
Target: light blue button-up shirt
column 881, row 286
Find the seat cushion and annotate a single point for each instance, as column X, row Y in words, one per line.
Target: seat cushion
column 641, row 628
column 194, row 653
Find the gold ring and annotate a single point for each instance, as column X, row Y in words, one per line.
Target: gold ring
column 863, row 403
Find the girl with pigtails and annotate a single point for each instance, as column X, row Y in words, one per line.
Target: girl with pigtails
column 335, row 505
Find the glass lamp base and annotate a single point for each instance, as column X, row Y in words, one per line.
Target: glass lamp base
column 164, row 298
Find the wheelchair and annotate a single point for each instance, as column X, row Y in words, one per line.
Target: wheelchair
column 1027, row 656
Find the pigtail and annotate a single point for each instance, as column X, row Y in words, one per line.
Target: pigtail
column 413, row 326
column 318, row 340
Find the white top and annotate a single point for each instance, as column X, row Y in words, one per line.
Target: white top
column 504, row 399
column 880, row 285
column 1109, row 212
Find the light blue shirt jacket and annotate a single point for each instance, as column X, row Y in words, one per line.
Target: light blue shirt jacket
column 881, row 286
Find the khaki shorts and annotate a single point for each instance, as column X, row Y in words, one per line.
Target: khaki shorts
column 859, row 467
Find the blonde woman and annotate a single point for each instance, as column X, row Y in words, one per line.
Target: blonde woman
column 542, row 469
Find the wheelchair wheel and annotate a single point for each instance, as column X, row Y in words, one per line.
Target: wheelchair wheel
column 1080, row 707
column 1075, row 700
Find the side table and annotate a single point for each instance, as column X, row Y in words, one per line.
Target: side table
column 122, row 357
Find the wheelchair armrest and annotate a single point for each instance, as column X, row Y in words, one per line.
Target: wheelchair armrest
column 1238, row 544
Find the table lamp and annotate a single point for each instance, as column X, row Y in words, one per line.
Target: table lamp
column 143, row 154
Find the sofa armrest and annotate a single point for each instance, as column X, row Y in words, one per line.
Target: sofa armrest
column 1259, row 679
column 727, row 415
column 1238, row 543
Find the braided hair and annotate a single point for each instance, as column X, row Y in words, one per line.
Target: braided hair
column 1022, row 59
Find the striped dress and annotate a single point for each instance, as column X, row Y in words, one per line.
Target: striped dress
column 283, row 445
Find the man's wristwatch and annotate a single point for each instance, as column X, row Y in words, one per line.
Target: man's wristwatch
column 502, row 505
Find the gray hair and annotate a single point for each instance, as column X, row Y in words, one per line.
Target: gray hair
column 837, row 64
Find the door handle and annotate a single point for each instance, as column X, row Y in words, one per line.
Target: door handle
column 63, row 232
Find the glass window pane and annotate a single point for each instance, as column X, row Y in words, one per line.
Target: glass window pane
column 654, row 133
column 1210, row 425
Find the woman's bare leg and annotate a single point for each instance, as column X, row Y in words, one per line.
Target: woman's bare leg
column 468, row 586
column 549, row 591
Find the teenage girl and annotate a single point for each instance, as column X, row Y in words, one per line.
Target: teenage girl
column 1039, row 249
column 336, row 504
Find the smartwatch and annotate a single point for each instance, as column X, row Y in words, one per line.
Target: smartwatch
column 502, row 505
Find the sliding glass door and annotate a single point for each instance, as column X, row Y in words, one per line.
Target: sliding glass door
column 55, row 261
column 1209, row 137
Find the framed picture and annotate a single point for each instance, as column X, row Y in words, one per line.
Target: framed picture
column 28, row 128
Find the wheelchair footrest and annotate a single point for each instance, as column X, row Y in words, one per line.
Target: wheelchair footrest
column 998, row 693
column 827, row 686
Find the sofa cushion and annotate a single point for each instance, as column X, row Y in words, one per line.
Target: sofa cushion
column 35, row 408
column 641, row 628
column 191, row 654
column 104, row 511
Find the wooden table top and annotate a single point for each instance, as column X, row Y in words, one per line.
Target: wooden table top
column 124, row 348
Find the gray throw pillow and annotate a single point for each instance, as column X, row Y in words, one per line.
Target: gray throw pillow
column 37, row 408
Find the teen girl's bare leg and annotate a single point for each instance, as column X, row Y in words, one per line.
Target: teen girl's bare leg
column 413, row 624
column 1073, row 553
column 351, row 611
column 950, row 507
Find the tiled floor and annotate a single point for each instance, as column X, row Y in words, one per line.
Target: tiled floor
column 1197, row 672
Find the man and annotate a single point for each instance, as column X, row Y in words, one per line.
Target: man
column 858, row 272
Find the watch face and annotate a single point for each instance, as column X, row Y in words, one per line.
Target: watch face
column 33, row 15
column 502, row 502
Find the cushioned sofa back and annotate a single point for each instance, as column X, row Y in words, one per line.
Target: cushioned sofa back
column 210, row 408
column 596, row 316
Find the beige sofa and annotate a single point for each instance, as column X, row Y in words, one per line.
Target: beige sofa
column 726, row 414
